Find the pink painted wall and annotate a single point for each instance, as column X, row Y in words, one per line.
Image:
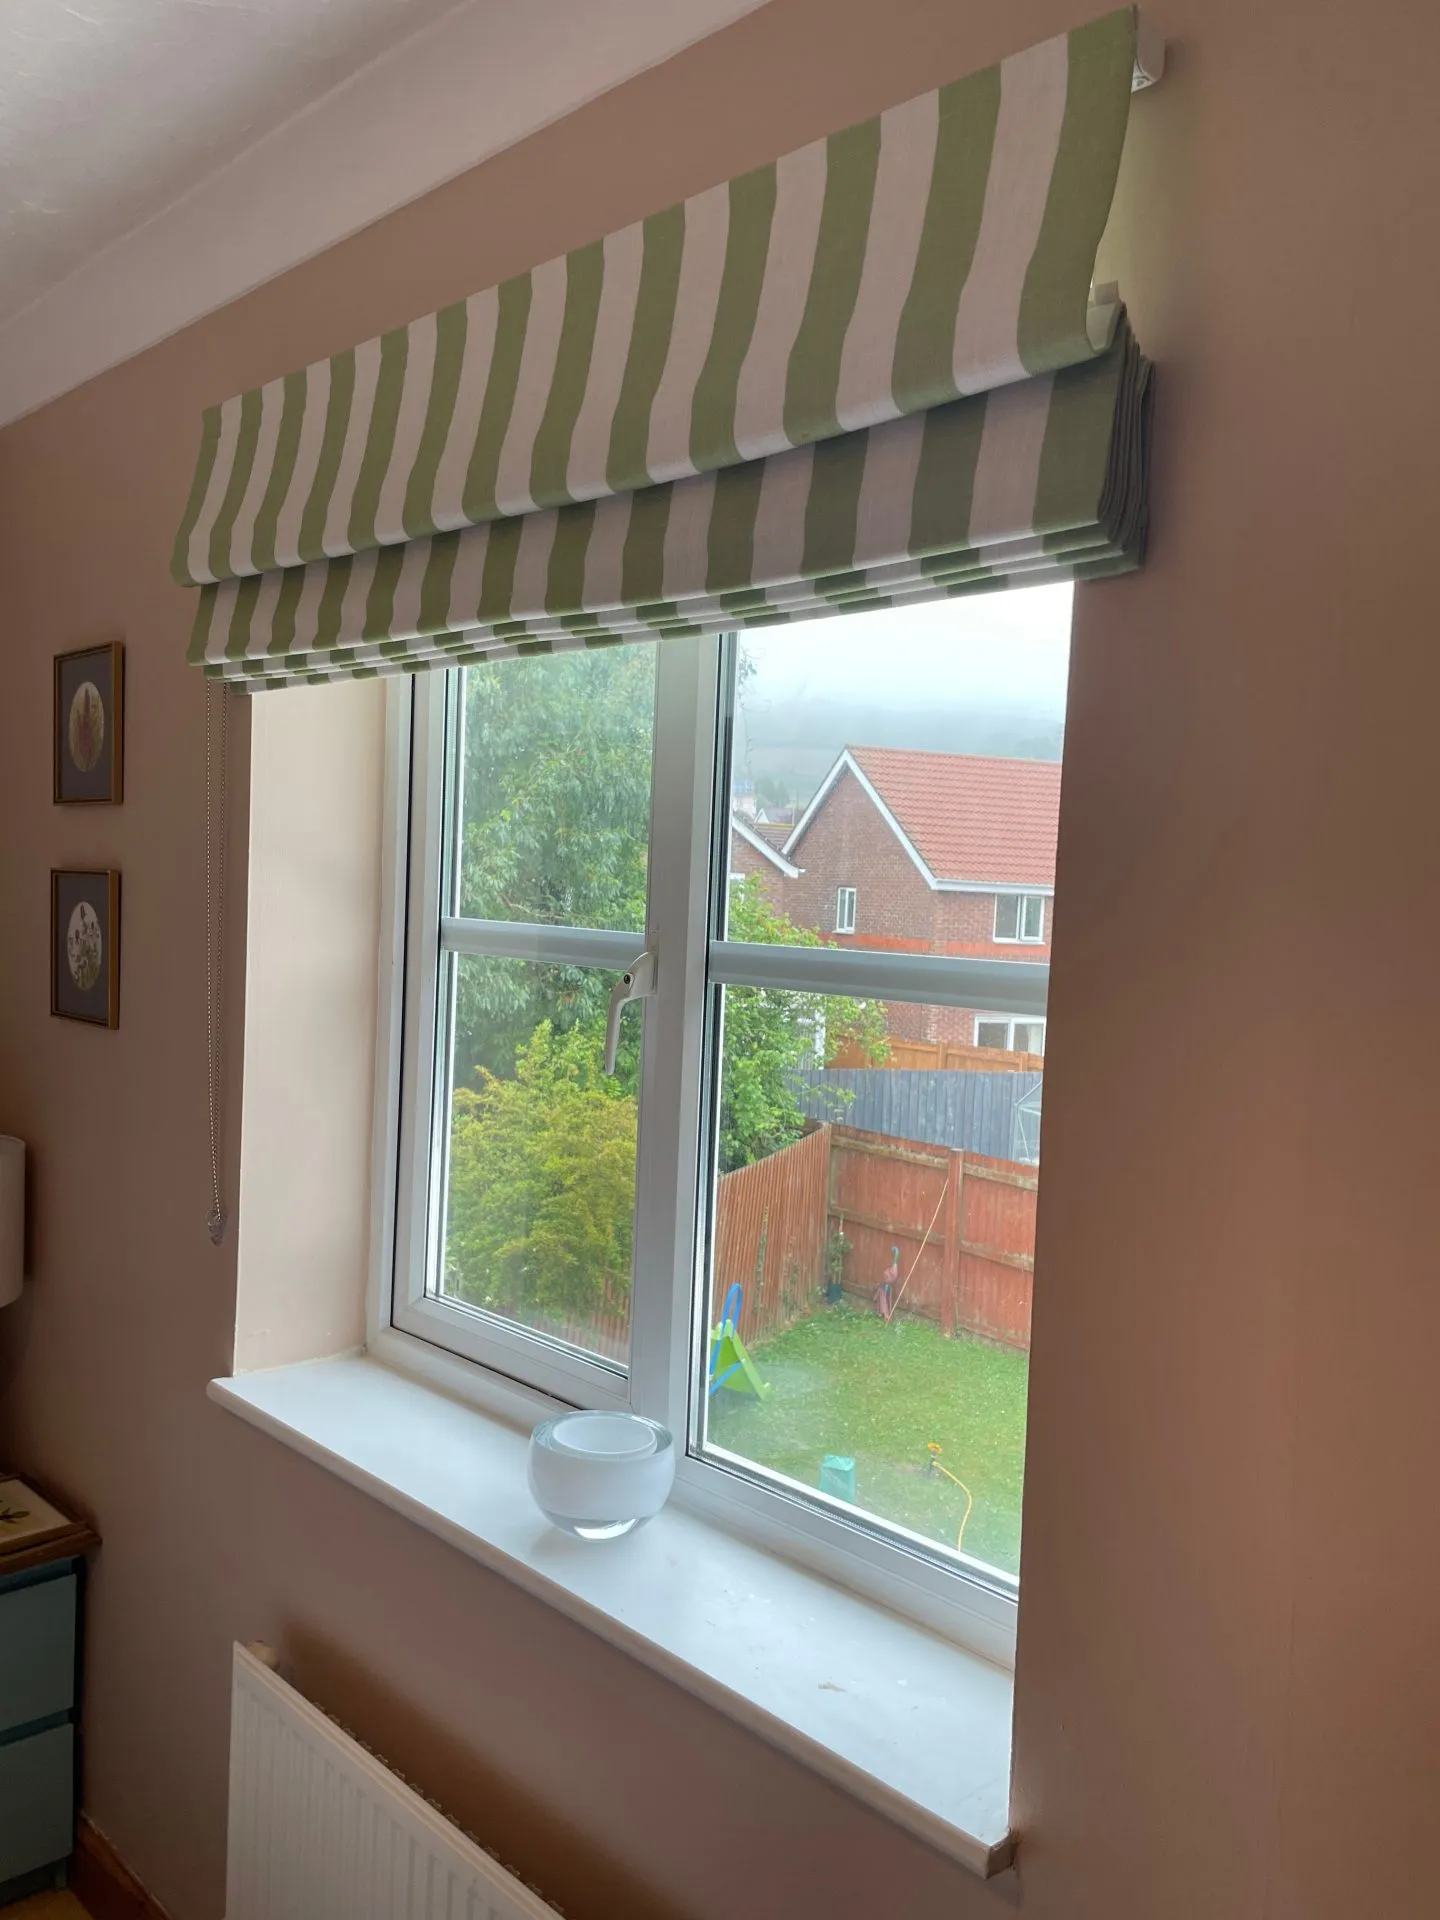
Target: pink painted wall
column 1229, row 1683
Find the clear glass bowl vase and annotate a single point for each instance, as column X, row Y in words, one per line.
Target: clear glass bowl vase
column 601, row 1475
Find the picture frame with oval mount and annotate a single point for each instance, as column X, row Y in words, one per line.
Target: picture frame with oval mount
column 89, row 749
column 85, row 946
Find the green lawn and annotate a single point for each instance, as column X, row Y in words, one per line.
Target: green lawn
column 845, row 1383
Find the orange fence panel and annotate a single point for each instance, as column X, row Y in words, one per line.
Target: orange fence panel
column 770, row 1235
column 951, row 1054
column 952, row 1234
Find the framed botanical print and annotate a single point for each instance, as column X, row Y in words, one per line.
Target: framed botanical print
column 90, row 726
column 85, row 946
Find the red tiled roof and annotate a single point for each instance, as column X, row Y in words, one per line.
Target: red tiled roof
column 969, row 817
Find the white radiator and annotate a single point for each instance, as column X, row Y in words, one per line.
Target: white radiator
column 320, row 1830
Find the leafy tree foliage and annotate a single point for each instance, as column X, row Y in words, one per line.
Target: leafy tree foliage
column 555, row 820
column 769, row 1034
column 542, row 1182
column 556, row 805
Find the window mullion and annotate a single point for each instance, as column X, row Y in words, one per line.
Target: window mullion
column 667, row 1183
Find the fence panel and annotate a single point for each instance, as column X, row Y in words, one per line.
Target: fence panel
column 975, row 1112
column 931, row 1054
column 994, row 1287
column 606, row 1331
column 953, row 1232
column 770, row 1236
column 887, row 1196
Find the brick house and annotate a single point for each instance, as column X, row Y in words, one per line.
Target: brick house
column 924, row 853
column 755, row 848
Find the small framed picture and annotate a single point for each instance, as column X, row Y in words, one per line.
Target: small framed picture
column 85, row 947
column 90, row 726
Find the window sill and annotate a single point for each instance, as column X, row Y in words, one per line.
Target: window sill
column 913, row 1726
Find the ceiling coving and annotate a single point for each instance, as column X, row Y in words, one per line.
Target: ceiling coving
column 159, row 158
column 111, row 109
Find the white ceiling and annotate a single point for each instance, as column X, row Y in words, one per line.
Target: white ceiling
column 110, row 109
column 150, row 150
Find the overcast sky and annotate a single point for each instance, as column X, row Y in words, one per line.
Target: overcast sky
column 1003, row 652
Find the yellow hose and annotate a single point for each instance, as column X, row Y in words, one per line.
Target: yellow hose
column 969, row 1502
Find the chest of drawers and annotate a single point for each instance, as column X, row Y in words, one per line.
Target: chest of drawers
column 39, row 1669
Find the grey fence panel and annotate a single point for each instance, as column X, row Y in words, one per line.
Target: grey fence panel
column 993, row 1113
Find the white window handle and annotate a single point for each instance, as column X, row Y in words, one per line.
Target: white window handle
column 636, row 983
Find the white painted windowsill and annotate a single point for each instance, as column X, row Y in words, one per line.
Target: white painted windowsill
column 907, row 1722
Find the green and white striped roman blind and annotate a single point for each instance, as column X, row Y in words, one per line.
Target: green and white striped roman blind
column 870, row 372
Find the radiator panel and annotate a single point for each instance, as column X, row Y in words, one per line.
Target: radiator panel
column 321, row 1830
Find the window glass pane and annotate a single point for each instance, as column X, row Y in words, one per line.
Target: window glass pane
column 911, row 754
column 539, row 1195
column 872, row 1242
column 554, row 788
column 870, row 1259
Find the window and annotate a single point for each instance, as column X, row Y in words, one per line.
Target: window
column 1020, row 916
column 529, row 885
column 1016, row 1036
column 733, row 1223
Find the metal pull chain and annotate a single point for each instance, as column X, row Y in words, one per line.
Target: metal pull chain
column 217, row 836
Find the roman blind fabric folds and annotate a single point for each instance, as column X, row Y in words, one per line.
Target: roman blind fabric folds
column 869, row 372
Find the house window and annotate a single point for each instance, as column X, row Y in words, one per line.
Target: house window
column 722, row 1223
column 1020, row 916
column 1015, row 1036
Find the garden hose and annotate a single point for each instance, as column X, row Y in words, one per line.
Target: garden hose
column 969, row 1497
column 925, row 1241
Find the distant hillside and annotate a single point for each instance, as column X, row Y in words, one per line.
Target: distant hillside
column 787, row 750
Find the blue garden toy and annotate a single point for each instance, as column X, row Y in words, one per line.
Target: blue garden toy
column 730, row 1365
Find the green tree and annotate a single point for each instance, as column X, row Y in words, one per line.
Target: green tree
column 542, row 1164
column 769, row 1034
column 556, row 806
column 542, row 1182
column 555, row 828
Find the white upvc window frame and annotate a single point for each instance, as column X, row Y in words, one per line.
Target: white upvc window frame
column 846, row 899
column 1009, row 1024
column 521, row 1377
column 1023, row 901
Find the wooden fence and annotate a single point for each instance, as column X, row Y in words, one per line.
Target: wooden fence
column 770, row 1231
column 606, row 1332
column 942, row 1054
column 994, row 1113
column 957, row 1228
